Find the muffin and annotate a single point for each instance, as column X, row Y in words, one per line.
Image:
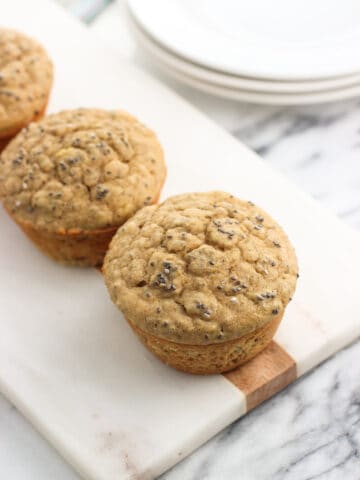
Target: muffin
column 203, row 279
column 70, row 180
column 26, row 76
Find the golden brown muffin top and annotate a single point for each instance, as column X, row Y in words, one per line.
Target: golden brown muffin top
column 82, row 169
column 26, row 75
column 201, row 268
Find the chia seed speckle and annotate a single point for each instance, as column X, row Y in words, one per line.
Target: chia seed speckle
column 101, row 193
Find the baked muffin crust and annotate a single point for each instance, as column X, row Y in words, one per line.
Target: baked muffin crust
column 81, row 170
column 26, row 76
column 201, row 268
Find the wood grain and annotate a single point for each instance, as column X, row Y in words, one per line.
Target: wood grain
column 263, row 376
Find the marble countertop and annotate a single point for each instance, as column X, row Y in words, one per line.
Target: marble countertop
column 312, row 429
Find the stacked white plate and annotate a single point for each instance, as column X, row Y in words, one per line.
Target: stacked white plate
column 278, row 52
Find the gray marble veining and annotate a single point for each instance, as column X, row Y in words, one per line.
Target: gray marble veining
column 318, row 147
column 309, row 431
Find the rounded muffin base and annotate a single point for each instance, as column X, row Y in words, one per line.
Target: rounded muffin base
column 82, row 248
column 10, row 134
column 212, row 358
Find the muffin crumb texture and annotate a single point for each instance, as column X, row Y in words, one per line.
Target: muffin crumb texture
column 81, row 170
column 26, row 76
column 201, row 268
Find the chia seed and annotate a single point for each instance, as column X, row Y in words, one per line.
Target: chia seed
column 72, row 161
column 268, row 295
column 101, row 193
column 160, row 279
column 16, row 161
column 236, row 289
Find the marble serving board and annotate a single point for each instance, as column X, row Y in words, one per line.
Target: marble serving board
column 68, row 360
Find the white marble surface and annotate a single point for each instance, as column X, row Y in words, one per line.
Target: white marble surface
column 312, row 430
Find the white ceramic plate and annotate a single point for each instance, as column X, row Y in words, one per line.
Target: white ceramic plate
column 296, row 40
column 239, row 94
column 263, row 98
column 232, row 81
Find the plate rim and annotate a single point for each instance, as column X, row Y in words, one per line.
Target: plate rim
column 140, row 13
column 226, row 80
